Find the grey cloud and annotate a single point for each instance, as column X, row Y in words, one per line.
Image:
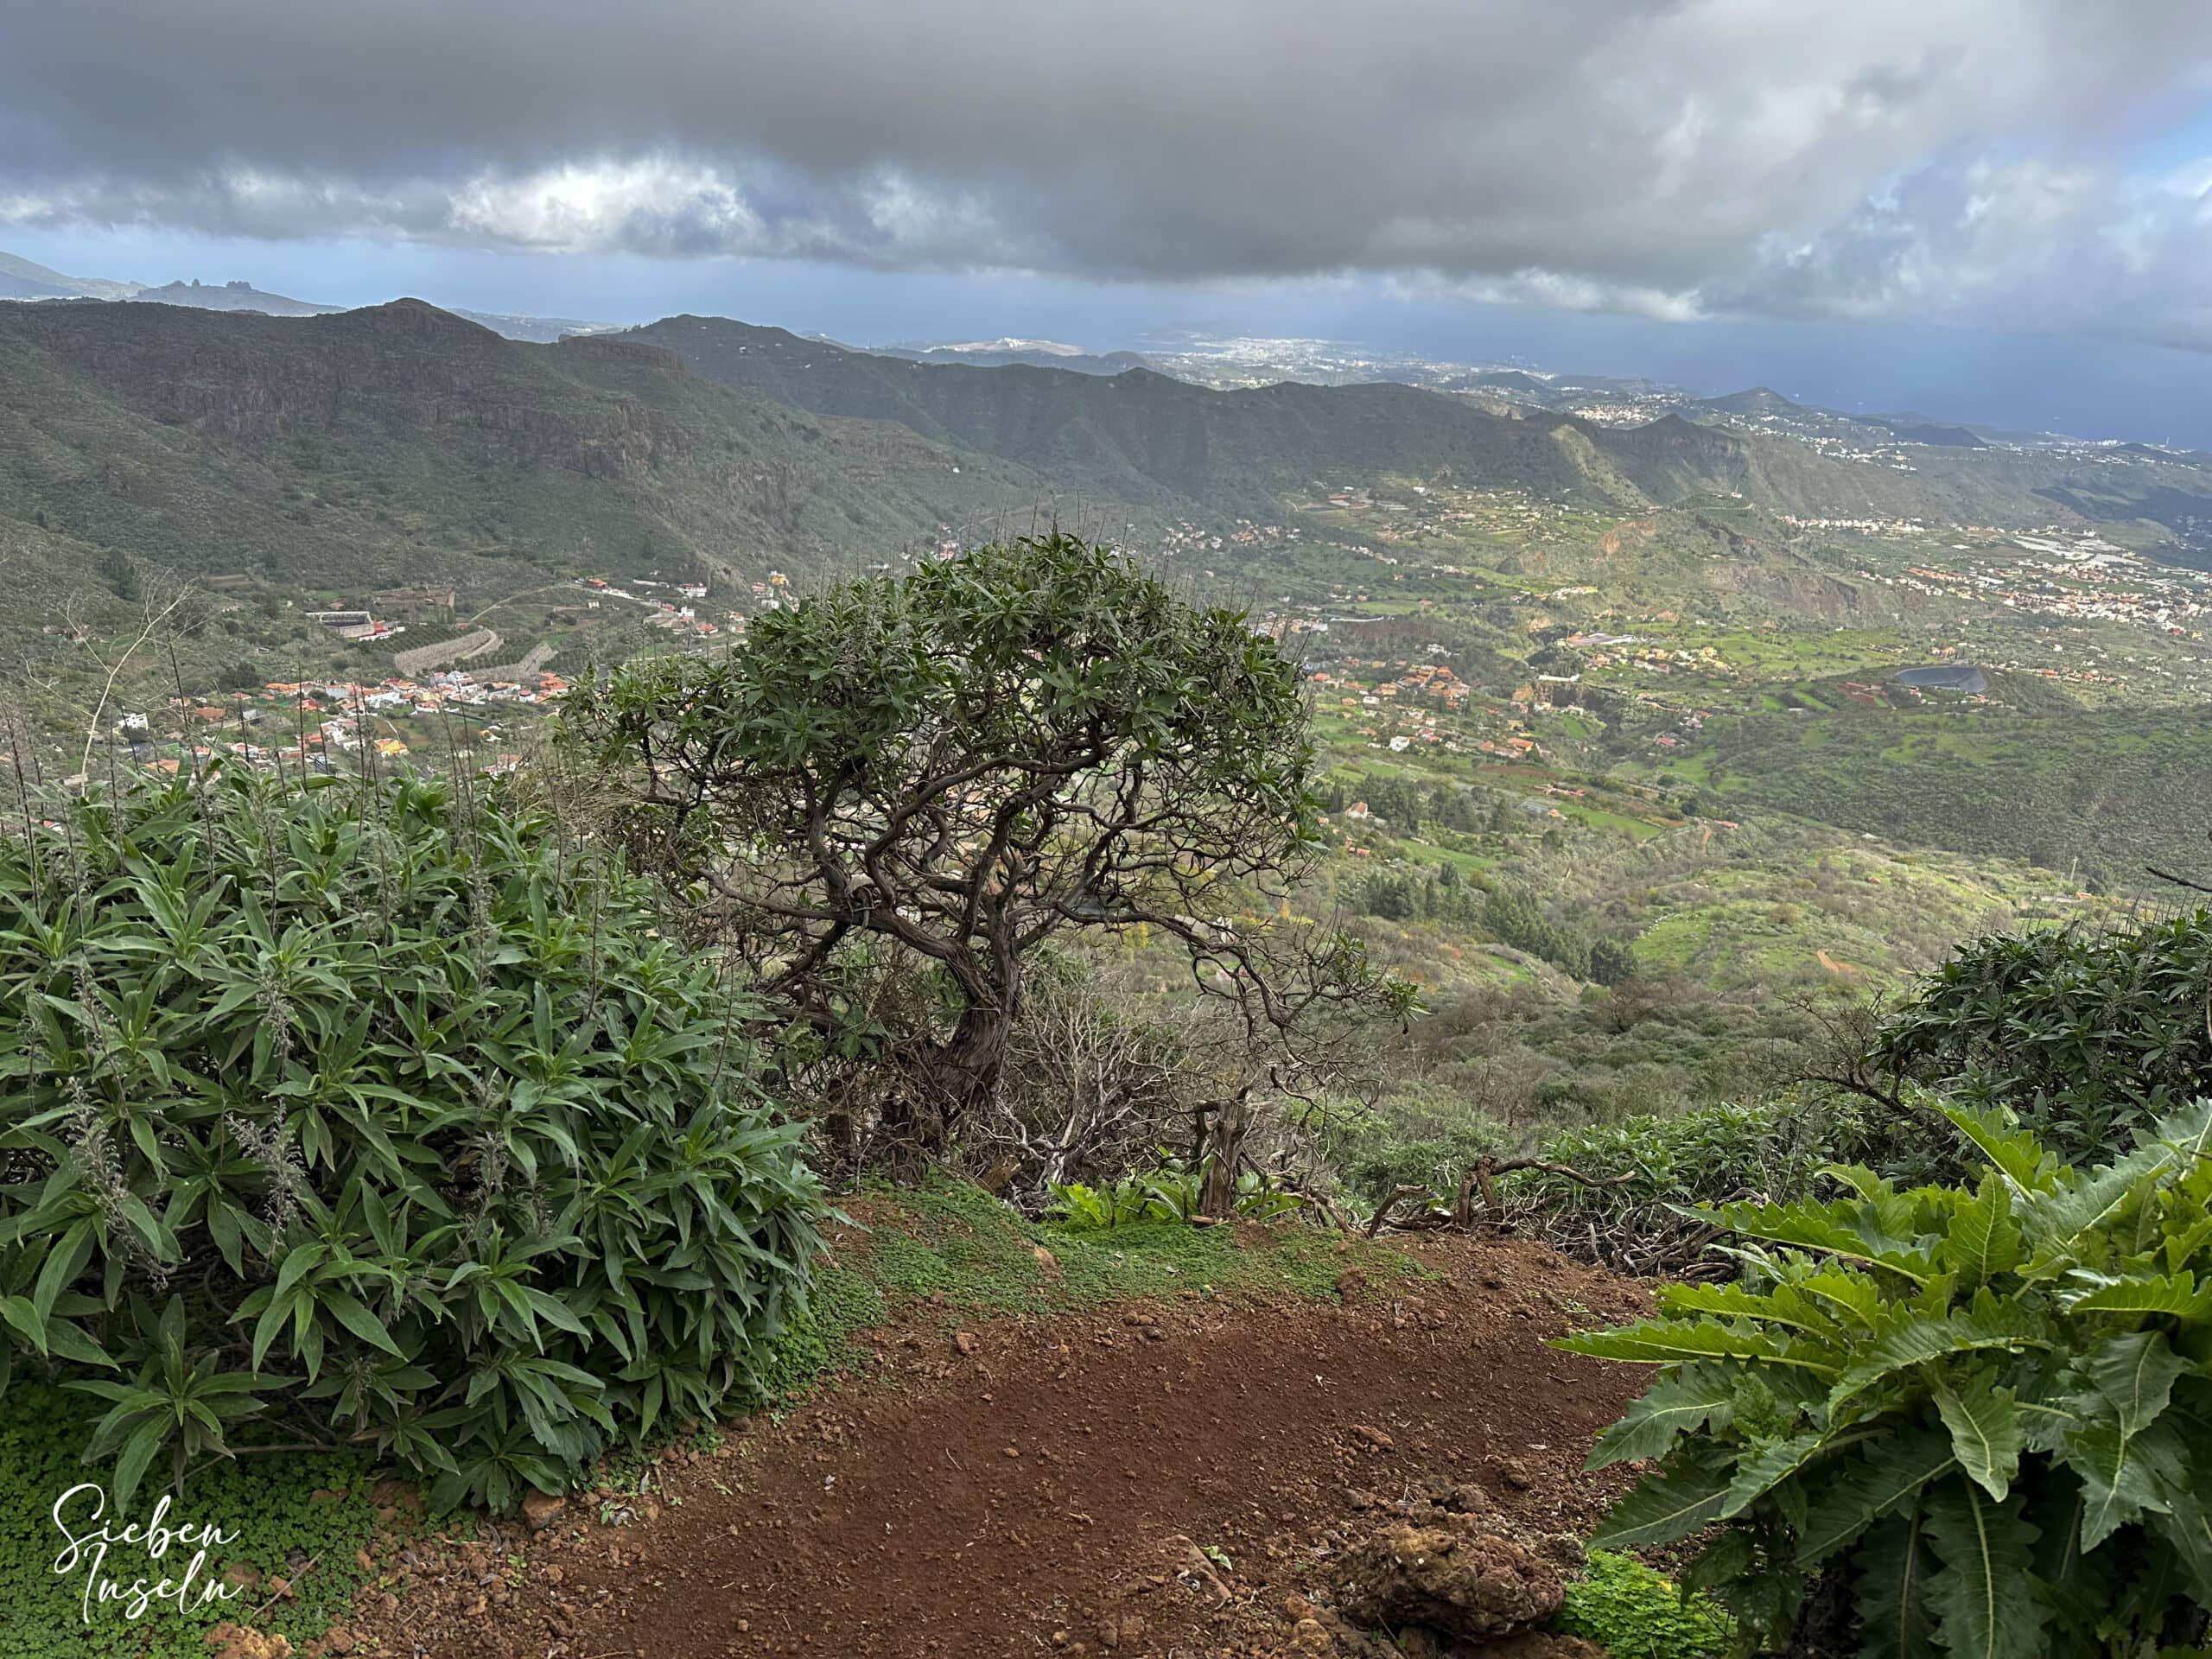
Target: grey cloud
column 1643, row 153
column 2041, row 247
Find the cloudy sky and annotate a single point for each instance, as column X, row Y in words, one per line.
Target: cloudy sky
column 1911, row 198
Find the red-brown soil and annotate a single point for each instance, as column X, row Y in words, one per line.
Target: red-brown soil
column 1057, row 1485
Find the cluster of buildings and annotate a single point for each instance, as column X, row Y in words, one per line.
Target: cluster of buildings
column 1627, row 652
column 422, row 602
column 1417, row 698
column 2081, row 579
column 1245, row 535
column 1858, row 526
column 1687, row 726
column 1393, row 681
column 326, row 725
column 673, row 605
column 1639, row 410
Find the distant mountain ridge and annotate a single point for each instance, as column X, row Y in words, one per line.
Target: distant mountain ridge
column 1905, row 427
column 231, row 297
column 1030, row 354
column 402, row 442
column 1758, row 400
column 22, row 279
column 1140, row 438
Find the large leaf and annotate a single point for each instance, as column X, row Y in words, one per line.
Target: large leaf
column 1697, row 1396
column 2123, row 1476
column 65, row 1258
column 1986, row 1435
column 2055, row 1223
column 1768, row 1466
column 1848, row 1291
column 2015, row 1156
column 1882, row 1479
column 1892, row 1569
column 1785, row 1305
column 2176, row 1293
column 137, row 1452
column 2186, row 1524
column 1988, row 1325
column 358, row 1320
column 2126, row 1459
column 1665, row 1507
column 1851, row 1232
column 1984, row 1240
column 1983, row 1592
column 2136, row 1373
column 1662, row 1342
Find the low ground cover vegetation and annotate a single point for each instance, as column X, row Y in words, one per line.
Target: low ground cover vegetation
column 1632, row 1612
column 295, row 1521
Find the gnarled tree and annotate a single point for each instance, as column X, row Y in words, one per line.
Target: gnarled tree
column 949, row 768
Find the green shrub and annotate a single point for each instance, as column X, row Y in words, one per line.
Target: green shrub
column 1775, row 1150
column 1983, row 1415
column 2084, row 1038
column 1408, row 1131
column 1514, row 915
column 1705, row 1156
column 1633, row 1614
column 1167, row 1192
column 1381, row 1152
column 384, row 1113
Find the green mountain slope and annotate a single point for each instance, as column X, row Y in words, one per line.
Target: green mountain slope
column 1140, row 437
column 401, row 443
column 2115, row 789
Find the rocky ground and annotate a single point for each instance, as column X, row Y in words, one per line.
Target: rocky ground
column 1181, row 1478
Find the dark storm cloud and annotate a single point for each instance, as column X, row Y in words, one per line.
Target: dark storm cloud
column 1644, row 153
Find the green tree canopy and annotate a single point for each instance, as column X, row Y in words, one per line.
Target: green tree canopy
column 953, row 766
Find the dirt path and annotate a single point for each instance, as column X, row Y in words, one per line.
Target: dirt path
column 1037, row 1486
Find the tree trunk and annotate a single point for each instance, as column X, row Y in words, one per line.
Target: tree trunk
column 1493, row 1211
column 1463, row 1207
column 960, row 1077
column 1224, row 1149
